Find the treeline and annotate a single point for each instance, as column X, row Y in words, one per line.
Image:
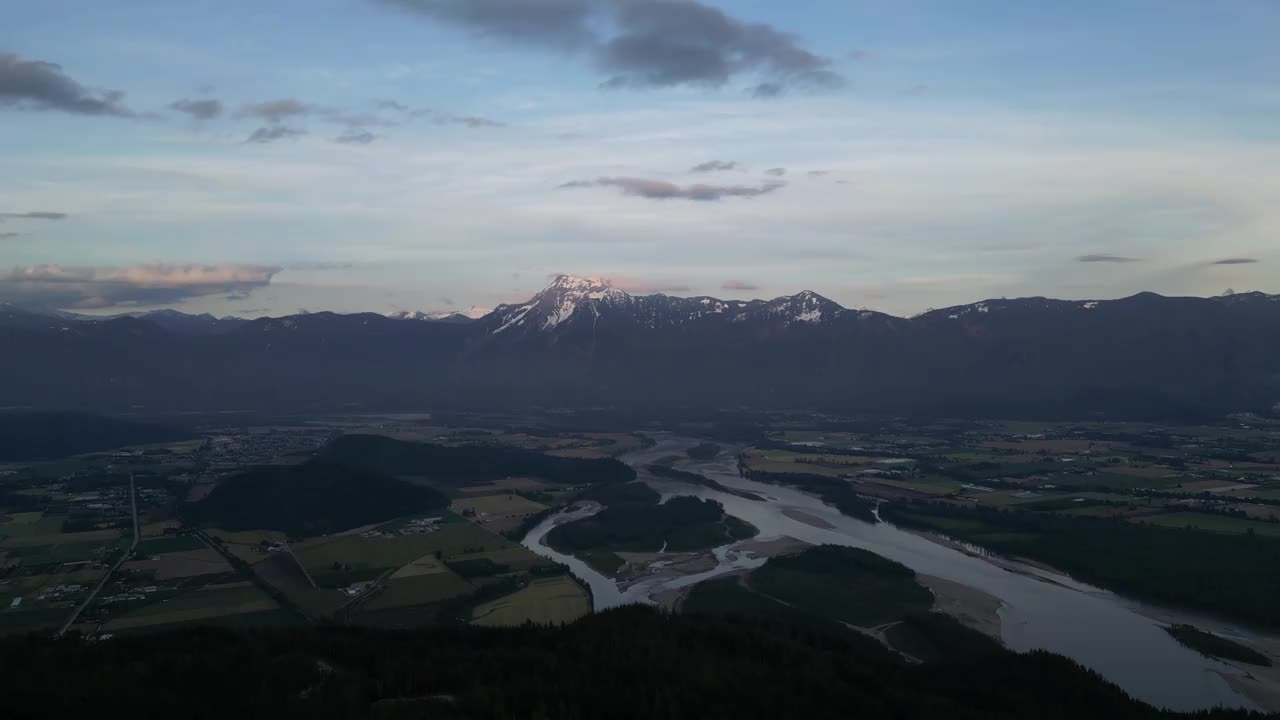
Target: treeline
column 698, row 479
column 467, row 464
column 1237, row 576
column 631, row 663
column 836, row 492
column 634, row 521
column 40, row 436
column 703, row 451
column 311, row 499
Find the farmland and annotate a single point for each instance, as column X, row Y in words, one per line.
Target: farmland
column 497, row 513
column 549, row 602
column 194, row 606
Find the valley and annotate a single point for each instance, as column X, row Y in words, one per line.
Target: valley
column 502, row 519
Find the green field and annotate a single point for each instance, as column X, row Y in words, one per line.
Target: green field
column 1212, row 523
column 550, row 601
column 61, row 552
column 21, row 525
column 194, row 606
column 419, row 590
column 341, row 560
column 178, row 543
column 247, row 620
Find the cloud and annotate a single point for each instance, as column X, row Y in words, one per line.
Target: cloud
column 860, row 55
column 354, row 136
column 1104, row 258
column 440, row 117
column 819, row 173
column 472, row 121
column 319, row 266
column 198, row 109
column 768, row 90
column 36, row 85
column 59, row 286
column 739, row 285
column 40, row 215
column 776, row 172
column 393, row 105
column 662, row 190
column 1236, row 261
column 713, row 166
column 8, row 235
column 447, row 301
column 277, row 110
column 642, row 43
column 273, row 133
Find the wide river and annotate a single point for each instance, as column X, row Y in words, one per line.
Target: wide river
column 1040, row 610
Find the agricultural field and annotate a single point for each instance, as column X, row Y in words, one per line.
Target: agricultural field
column 181, row 564
column 1212, row 523
column 497, row 513
column 548, row 601
column 246, row 604
column 248, row 545
column 400, row 592
column 338, row 561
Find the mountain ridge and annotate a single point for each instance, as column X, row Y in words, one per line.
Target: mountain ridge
column 581, row 342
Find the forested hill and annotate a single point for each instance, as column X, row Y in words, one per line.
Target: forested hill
column 311, row 499
column 38, row 436
column 462, row 465
column 628, row 663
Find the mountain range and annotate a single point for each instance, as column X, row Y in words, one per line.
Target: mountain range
column 580, row 343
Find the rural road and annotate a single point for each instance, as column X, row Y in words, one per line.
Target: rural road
column 133, row 502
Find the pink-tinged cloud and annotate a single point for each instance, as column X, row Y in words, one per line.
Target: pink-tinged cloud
column 59, row 286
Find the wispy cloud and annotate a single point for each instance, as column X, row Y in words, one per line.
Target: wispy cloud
column 662, row 190
column 278, row 110
column 441, row 117
column 8, row 235
column 739, row 285
column 1236, row 261
column 776, row 172
column 198, row 109
column 37, row 85
column 39, row 215
column 1105, row 258
column 273, row 133
column 713, row 166
column 355, row 137
column 60, row 286
column 643, row 43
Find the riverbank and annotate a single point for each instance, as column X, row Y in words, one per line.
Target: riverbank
column 648, row 567
column 971, row 607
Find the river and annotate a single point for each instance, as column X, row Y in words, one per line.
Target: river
column 1040, row 609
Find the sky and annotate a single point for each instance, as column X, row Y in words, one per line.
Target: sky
column 261, row 158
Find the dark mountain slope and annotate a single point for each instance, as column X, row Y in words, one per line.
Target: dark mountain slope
column 628, row 663
column 582, row 343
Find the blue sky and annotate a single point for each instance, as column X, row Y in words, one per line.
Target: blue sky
column 936, row 152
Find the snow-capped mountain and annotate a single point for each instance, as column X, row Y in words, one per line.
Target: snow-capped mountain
column 582, row 342
column 474, row 312
column 571, row 303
